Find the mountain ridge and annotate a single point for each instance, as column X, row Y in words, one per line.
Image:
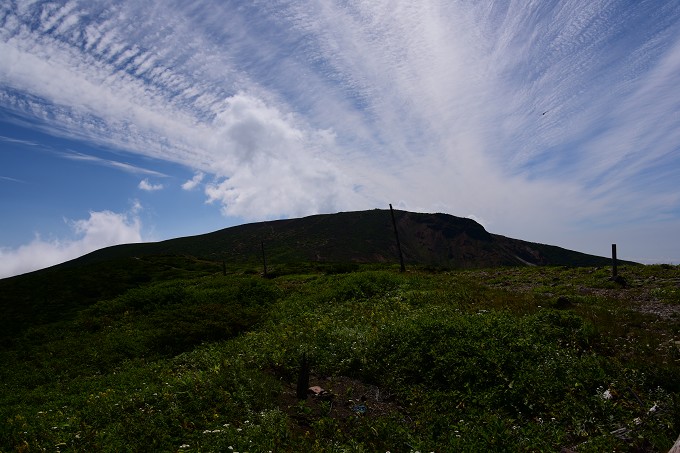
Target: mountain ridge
column 430, row 239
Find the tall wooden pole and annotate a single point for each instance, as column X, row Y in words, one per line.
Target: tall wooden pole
column 614, row 272
column 396, row 235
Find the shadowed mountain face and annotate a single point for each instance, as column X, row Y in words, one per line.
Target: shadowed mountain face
column 440, row 240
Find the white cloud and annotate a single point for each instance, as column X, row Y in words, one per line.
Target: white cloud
column 144, row 184
column 100, row 229
column 194, row 182
column 270, row 166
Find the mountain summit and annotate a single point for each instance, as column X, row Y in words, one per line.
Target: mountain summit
column 440, row 240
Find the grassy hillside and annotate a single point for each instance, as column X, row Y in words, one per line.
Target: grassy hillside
column 183, row 358
column 61, row 291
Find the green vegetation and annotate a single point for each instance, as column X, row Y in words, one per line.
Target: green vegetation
column 171, row 355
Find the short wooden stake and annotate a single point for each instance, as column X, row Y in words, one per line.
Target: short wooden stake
column 614, row 270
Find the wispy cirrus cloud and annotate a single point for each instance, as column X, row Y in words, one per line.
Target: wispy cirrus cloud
column 10, row 179
column 540, row 117
column 18, row 141
column 73, row 155
column 127, row 92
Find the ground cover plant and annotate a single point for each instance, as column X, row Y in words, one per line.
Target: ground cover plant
column 502, row 359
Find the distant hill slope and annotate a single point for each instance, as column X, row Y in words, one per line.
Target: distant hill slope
column 363, row 237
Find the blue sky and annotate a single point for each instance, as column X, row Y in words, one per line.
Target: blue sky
column 550, row 121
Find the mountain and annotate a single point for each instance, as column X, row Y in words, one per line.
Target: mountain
column 440, row 240
column 331, row 242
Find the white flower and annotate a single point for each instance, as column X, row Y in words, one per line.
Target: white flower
column 607, row 395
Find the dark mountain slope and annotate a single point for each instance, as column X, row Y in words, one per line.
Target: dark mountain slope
column 363, row 237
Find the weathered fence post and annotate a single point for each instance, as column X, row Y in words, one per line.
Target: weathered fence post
column 614, row 271
column 396, row 235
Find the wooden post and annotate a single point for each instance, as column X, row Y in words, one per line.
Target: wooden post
column 303, row 378
column 614, row 271
column 396, row 235
column 264, row 259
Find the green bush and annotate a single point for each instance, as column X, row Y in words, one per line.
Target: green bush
column 364, row 285
column 526, row 364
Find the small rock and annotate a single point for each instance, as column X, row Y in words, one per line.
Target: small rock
column 316, row 390
column 360, row 409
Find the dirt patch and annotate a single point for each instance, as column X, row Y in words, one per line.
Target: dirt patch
column 345, row 400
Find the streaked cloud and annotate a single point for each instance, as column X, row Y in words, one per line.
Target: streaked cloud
column 10, row 179
column 18, row 141
column 72, row 155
